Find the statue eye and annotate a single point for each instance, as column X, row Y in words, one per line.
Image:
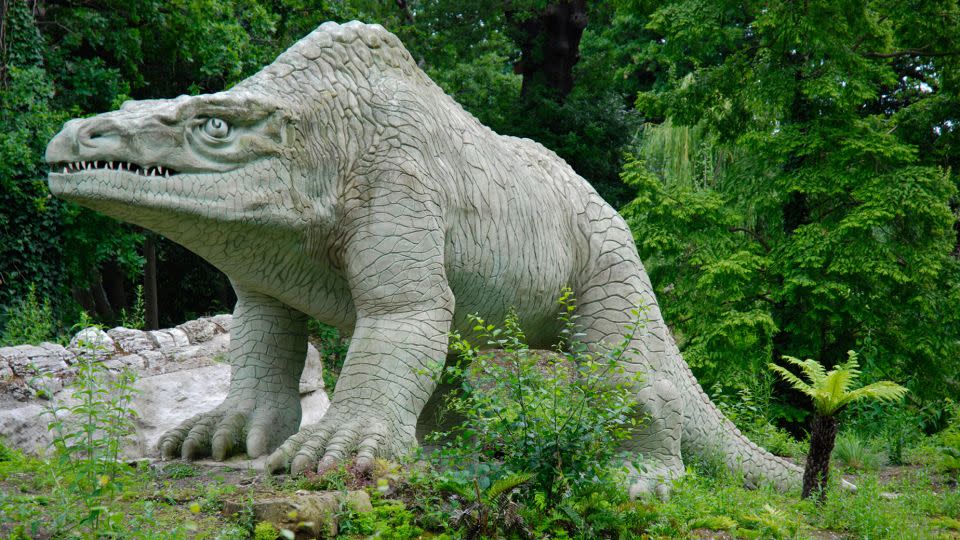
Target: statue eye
column 216, row 128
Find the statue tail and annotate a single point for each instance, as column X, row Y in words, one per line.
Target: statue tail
column 708, row 434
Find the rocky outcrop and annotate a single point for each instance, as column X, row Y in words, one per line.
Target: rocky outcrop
column 179, row 371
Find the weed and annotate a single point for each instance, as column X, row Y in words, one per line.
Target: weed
column 560, row 417
column 180, row 470
column 136, row 318
column 87, row 440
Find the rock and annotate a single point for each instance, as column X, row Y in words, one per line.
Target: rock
column 179, row 372
column 201, row 330
column 170, row 340
column 314, row 405
column 30, row 360
column 132, row 341
column 163, row 401
column 24, row 426
column 309, row 514
column 312, row 377
column 92, row 340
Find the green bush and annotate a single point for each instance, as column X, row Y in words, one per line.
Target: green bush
column 265, row 531
column 560, row 417
column 950, row 443
column 30, row 321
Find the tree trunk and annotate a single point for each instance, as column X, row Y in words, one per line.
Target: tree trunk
column 113, row 279
column 104, row 310
column 549, row 44
column 823, row 435
column 151, row 317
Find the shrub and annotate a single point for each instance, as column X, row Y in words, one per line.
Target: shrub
column 950, row 443
column 559, row 417
column 265, row 531
column 30, row 321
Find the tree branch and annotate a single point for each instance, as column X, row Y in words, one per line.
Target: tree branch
column 910, row 52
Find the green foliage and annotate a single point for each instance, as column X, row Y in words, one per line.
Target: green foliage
column 831, row 390
column 855, row 453
column 333, row 351
column 136, row 317
column 30, row 321
column 87, row 439
column 265, row 531
column 390, row 520
column 179, row 470
column 797, row 180
column 493, row 510
column 560, row 417
column 949, row 448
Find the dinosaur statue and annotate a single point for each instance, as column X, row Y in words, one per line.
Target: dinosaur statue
column 341, row 183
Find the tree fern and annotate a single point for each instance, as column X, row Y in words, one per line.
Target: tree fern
column 830, row 392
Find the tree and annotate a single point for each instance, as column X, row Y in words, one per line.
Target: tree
column 31, row 251
column 796, row 184
column 830, row 391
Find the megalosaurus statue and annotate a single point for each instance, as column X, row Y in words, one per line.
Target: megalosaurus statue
column 341, row 183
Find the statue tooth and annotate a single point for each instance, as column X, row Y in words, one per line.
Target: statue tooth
column 159, row 169
column 64, row 170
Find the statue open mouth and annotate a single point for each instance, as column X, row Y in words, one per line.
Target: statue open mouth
column 71, row 167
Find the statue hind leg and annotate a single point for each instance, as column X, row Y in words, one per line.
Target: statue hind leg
column 606, row 300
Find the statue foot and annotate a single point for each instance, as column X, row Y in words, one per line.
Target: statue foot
column 657, row 480
column 237, row 425
column 337, row 437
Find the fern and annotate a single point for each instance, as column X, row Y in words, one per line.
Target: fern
column 507, row 484
column 831, row 390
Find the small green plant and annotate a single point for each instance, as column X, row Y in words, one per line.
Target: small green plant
column 87, row 439
column 560, row 417
column 853, row 452
column 265, row 531
column 136, row 318
column 180, row 470
column 831, row 392
column 494, row 510
column 30, row 321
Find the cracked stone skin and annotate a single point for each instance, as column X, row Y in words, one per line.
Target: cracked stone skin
column 341, row 183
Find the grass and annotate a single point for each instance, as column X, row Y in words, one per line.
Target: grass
column 179, row 500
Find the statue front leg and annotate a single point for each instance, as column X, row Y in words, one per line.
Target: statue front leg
column 404, row 305
column 268, row 345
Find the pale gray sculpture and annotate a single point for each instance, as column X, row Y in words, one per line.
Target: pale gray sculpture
column 341, row 183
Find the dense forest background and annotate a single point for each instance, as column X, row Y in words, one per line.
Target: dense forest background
column 788, row 168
